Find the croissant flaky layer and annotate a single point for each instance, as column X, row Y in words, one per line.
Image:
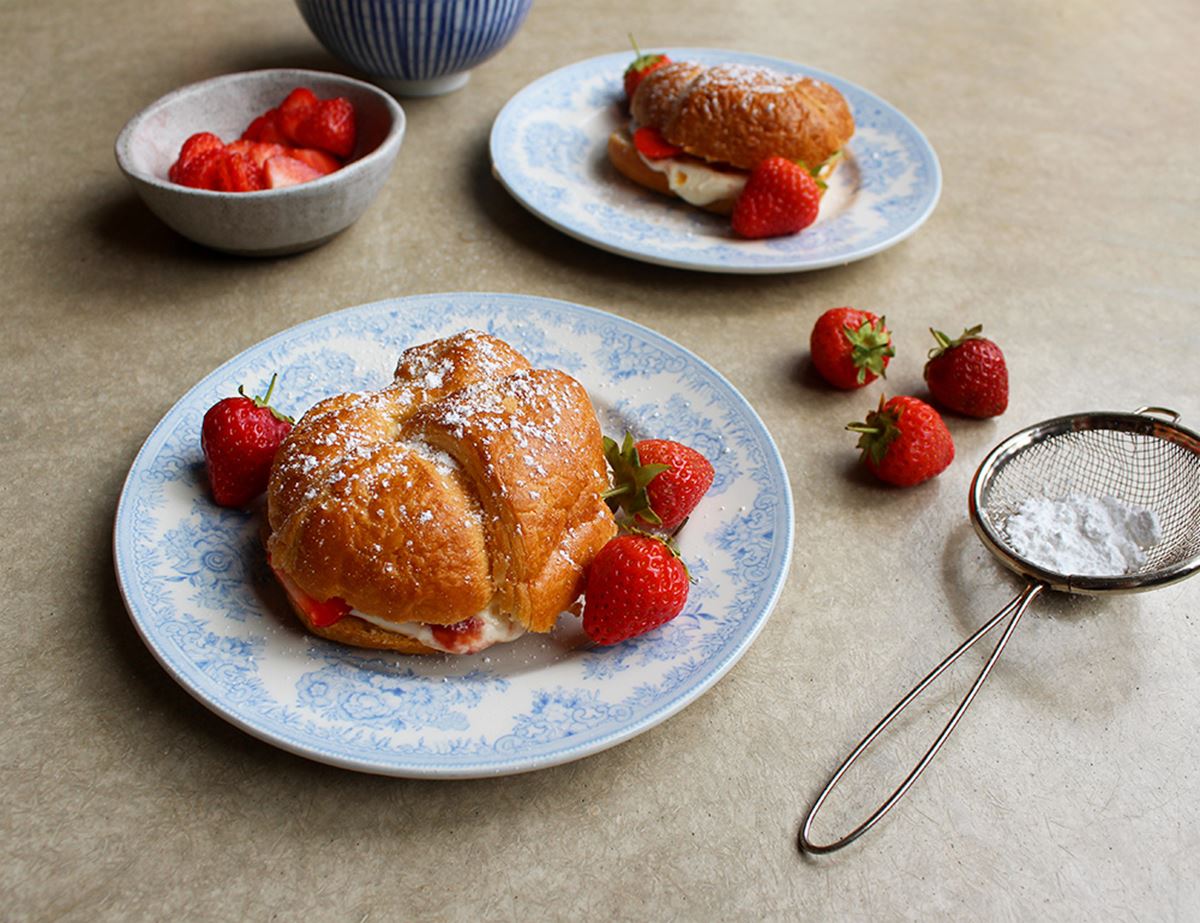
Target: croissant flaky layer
column 740, row 115
column 471, row 484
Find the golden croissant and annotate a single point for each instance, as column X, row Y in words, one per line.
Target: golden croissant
column 727, row 119
column 457, row 507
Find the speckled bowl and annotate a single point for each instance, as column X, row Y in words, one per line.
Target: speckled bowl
column 274, row 221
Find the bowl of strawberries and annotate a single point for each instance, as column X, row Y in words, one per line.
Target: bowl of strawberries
column 263, row 163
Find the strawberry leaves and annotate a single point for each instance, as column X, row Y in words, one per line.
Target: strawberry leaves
column 630, row 479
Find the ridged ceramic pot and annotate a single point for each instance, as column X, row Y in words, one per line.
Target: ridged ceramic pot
column 414, row 47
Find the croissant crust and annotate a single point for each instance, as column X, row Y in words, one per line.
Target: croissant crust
column 740, row 115
column 471, row 483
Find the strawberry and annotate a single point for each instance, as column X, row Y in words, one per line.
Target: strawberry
column 460, row 637
column 200, row 171
column 237, row 173
column 320, row 161
column 642, row 65
column 658, row 481
column 850, row 348
column 904, row 442
column 292, row 111
column 258, row 151
column 239, row 437
column 651, row 144
column 779, row 198
column 265, row 128
column 200, row 143
column 635, row 584
column 320, row 614
column 968, row 375
column 284, row 170
column 329, row 126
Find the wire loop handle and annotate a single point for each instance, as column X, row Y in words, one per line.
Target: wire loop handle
column 1161, row 411
column 1016, row 608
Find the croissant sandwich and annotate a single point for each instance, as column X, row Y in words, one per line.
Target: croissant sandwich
column 725, row 120
column 455, row 508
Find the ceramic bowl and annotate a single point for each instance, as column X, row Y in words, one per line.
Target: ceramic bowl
column 414, row 47
column 274, row 221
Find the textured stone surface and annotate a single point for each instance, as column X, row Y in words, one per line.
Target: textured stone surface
column 1067, row 226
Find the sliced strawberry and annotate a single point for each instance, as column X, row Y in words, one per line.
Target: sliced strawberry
column 265, row 128
column 651, row 144
column 460, row 636
column 294, row 110
column 258, row 151
column 199, row 172
column 329, row 126
column 324, row 614
column 320, row 614
column 320, row 161
column 200, row 143
column 238, row 173
column 282, row 170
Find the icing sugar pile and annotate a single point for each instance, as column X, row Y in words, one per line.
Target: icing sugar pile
column 1084, row 536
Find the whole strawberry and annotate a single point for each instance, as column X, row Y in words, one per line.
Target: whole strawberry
column 635, row 584
column 780, row 198
column 239, row 437
column 968, row 375
column 641, row 66
column 904, row 442
column 657, row 481
column 850, row 348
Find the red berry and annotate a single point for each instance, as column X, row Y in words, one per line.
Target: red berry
column 284, row 170
column 651, row 144
column 642, row 65
column 904, row 442
column 635, row 584
column 320, row 614
column 779, row 198
column 320, row 161
column 239, row 438
column 200, row 143
column 237, row 173
column 850, row 348
column 265, row 128
column 657, row 481
column 461, row 636
column 968, row 375
column 329, row 126
column 200, row 172
column 675, row 492
column 294, row 110
column 258, row 151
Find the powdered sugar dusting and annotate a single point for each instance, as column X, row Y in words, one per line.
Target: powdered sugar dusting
column 1083, row 535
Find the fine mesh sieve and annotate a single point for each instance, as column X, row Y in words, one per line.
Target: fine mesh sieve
column 1132, row 457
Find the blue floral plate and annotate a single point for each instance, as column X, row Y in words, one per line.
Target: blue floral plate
column 195, row 579
column 549, row 149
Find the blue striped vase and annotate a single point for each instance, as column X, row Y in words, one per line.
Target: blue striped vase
column 414, row 47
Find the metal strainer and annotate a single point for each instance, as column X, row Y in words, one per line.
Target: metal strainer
column 1133, row 457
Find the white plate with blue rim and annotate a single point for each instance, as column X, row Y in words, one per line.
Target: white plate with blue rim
column 196, row 583
column 549, row 150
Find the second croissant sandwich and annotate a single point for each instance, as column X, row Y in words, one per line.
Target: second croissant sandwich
column 457, row 507
column 726, row 119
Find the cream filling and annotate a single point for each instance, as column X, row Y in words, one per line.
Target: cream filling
column 497, row 629
column 697, row 183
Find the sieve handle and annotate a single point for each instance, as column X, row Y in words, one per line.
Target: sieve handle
column 1161, row 411
column 1015, row 608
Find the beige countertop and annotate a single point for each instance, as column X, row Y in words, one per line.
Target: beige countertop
column 1067, row 134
